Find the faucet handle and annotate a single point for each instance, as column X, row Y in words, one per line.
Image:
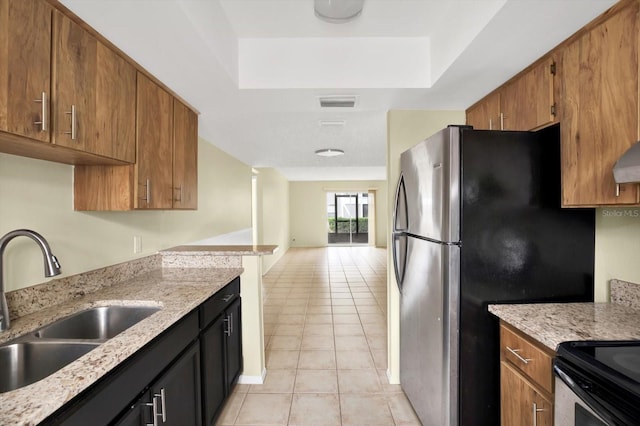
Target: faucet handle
column 54, row 259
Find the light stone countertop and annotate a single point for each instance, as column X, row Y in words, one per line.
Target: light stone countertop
column 554, row 323
column 177, row 290
column 221, row 250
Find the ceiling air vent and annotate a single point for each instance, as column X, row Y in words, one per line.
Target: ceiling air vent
column 337, row 101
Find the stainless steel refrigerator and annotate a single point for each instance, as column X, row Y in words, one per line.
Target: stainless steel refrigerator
column 478, row 221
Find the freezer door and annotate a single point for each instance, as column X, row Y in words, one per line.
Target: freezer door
column 431, row 179
column 429, row 331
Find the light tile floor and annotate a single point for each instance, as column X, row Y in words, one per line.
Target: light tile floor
column 326, row 345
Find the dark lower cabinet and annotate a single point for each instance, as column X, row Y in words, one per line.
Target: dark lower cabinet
column 214, row 390
column 234, row 345
column 181, row 378
column 221, row 346
column 174, row 399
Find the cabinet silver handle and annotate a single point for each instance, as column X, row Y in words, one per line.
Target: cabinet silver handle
column 73, row 123
column 227, row 322
column 617, row 189
column 147, row 191
column 179, row 189
column 154, row 405
column 536, row 410
column 517, row 355
column 501, row 121
column 490, row 124
column 162, row 405
column 227, row 298
column 45, row 108
column 231, row 323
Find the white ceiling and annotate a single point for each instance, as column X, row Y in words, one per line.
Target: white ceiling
column 255, row 68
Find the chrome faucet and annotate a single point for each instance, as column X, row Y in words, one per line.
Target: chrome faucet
column 51, row 266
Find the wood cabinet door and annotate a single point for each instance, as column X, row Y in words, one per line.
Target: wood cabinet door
column 185, row 157
column 94, row 94
column 25, row 64
column 154, row 135
column 485, row 115
column 74, row 75
column 113, row 133
column 526, row 102
column 520, row 402
column 599, row 110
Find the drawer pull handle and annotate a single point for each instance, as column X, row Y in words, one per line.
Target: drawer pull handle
column 536, row 410
column 227, row 298
column 517, row 355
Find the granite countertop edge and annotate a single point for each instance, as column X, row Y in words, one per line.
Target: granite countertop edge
column 176, row 290
column 221, row 250
column 554, row 323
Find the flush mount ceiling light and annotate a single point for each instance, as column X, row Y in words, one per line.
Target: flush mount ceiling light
column 329, row 152
column 337, row 101
column 332, row 123
column 338, row 11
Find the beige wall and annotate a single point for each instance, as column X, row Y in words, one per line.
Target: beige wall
column 38, row 195
column 405, row 129
column 308, row 210
column 273, row 211
column 617, row 248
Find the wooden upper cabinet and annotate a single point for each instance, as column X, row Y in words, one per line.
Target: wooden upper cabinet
column 485, row 115
column 25, row 55
column 185, row 157
column 599, row 109
column 94, row 94
column 165, row 175
column 524, row 103
column 527, row 102
column 154, row 134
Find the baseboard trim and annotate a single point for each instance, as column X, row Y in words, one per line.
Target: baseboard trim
column 252, row 380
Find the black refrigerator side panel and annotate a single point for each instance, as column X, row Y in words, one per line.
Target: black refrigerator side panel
column 518, row 246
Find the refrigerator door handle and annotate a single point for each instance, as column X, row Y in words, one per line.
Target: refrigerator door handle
column 400, row 212
column 399, row 251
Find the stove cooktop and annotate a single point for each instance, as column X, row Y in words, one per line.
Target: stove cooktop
column 609, row 371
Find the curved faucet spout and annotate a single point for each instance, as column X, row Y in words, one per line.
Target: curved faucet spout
column 51, row 266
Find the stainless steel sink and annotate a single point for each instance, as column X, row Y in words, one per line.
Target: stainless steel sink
column 27, row 362
column 36, row 355
column 99, row 323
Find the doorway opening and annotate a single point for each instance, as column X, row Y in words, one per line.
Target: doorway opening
column 348, row 218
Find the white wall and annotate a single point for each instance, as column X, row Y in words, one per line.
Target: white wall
column 38, row 194
column 405, row 129
column 308, row 207
column 273, row 213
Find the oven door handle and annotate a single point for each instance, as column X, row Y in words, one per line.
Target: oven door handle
column 569, row 376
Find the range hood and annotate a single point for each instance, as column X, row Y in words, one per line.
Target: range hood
column 627, row 168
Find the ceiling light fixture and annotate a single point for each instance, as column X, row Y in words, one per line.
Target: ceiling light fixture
column 338, row 101
column 329, row 152
column 338, row 11
column 332, row 123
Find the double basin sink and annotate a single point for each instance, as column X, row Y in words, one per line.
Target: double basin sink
column 41, row 353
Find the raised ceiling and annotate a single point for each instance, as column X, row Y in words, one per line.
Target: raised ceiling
column 255, row 68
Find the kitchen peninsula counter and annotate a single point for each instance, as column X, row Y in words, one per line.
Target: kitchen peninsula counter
column 554, row 323
column 176, row 290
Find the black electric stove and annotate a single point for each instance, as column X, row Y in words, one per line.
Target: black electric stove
column 605, row 375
